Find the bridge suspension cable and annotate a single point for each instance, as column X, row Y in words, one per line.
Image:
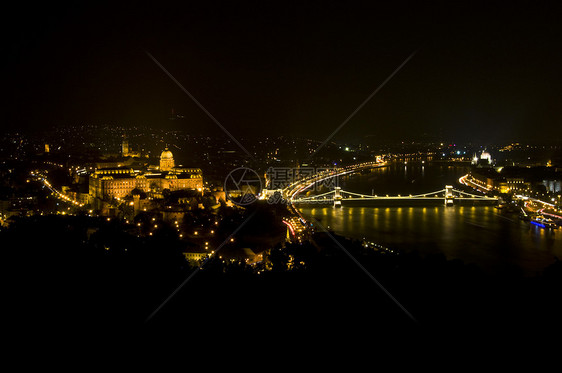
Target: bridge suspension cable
column 346, row 195
column 311, row 198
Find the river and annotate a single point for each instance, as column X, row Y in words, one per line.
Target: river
column 490, row 238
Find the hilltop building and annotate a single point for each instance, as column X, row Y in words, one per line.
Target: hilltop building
column 118, row 182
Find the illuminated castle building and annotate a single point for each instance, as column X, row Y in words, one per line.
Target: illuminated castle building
column 119, row 182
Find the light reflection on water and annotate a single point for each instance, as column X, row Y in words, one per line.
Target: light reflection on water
column 474, row 234
column 483, row 235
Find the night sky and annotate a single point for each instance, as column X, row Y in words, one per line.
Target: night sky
column 481, row 72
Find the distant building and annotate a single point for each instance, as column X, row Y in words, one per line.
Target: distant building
column 508, row 182
column 516, row 185
column 126, row 150
column 195, row 256
column 119, row 182
column 553, row 186
column 486, row 156
column 483, row 160
column 125, row 147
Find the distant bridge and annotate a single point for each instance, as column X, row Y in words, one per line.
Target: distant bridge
column 448, row 195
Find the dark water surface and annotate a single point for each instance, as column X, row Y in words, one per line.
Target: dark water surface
column 491, row 238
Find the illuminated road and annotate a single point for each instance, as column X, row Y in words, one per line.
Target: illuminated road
column 293, row 190
column 469, row 183
column 533, row 205
column 55, row 192
column 297, row 226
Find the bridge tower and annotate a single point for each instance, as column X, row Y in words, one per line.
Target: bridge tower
column 449, row 198
column 337, row 197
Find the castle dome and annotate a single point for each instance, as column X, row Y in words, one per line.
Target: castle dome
column 166, row 160
column 166, row 154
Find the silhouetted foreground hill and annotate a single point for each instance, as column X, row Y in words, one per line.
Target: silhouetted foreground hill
column 56, row 279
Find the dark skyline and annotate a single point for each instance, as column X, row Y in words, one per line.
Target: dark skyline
column 482, row 72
